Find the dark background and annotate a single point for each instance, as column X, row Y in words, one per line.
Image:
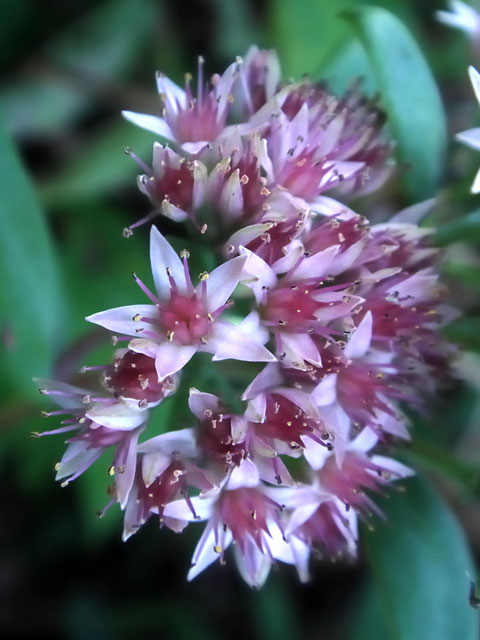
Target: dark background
column 68, row 67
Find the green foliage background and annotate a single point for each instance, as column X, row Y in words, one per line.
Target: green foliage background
column 68, row 68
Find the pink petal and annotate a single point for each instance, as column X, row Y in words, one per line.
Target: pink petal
column 150, row 123
column 200, row 402
column 222, row 281
column 359, row 341
column 163, row 257
column 172, row 357
column 117, row 416
column 227, row 341
column 120, row 320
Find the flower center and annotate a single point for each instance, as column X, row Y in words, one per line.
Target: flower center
column 185, row 319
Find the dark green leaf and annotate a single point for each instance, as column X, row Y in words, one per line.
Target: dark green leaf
column 465, row 229
column 101, row 166
column 420, row 562
column 30, row 316
column 465, row 331
column 106, row 43
column 409, row 94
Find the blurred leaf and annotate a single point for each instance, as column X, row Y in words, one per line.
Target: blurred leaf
column 306, row 33
column 310, row 35
column 107, row 42
column 274, row 611
column 84, row 60
column 470, row 275
column 465, row 331
column 234, row 42
column 346, row 64
column 101, row 166
column 366, row 618
column 465, row 229
column 410, row 96
column 419, row 560
column 30, row 303
column 29, row 104
column 431, row 457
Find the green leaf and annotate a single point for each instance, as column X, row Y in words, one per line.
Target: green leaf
column 30, row 316
column 409, row 94
column 107, row 41
column 420, row 562
column 465, row 331
column 465, row 229
column 306, row 33
column 102, row 165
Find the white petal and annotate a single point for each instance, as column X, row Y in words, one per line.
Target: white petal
column 231, row 198
column 330, row 207
column 269, row 377
column 326, row 391
column 117, row 416
column 366, row 440
column 227, row 341
column 252, row 326
column 205, row 553
column 253, row 565
column 120, row 320
column 301, row 345
column 245, row 235
column 256, row 408
column 144, row 345
column 301, row 515
column 471, row 137
column 153, row 465
column 124, row 478
column 222, row 281
column 359, row 341
column 72, row 401
column 199, row 402
column 475, row 78
column 171, row 92
column 245, row 475
column 150, row 123
column 180, row 510
column 399, row 470
column 257, row 274
column 315, row 453
column 172, row 357
column 476, row 183
column 75, row 457
column 163, row 257
column 316, row 265
column 181, row 441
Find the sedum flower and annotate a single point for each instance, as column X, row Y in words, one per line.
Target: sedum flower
column 188, row 120
column 240, row 512
column 100, row 422
column 351, row 310
column 183, row 319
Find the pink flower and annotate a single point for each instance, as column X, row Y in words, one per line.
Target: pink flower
column 183, row 319
column 188, row 120
column 165, row 469
column 100, row 422
column 243, row 513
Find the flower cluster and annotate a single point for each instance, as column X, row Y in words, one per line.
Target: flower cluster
column 343, row 314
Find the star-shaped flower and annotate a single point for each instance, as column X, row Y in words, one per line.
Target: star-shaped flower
column 183, row 319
